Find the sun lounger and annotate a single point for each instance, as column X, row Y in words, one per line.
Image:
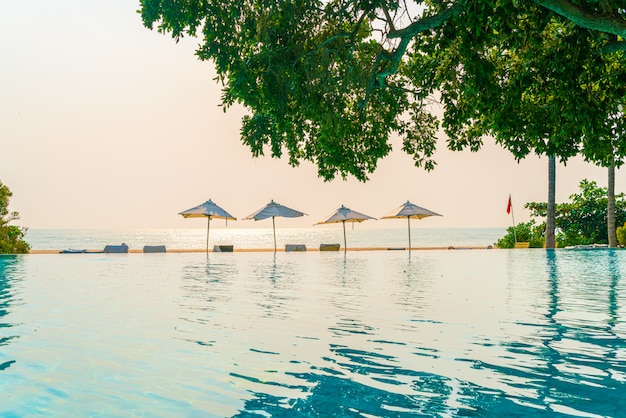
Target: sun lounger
column 295, row 247
column 74, row 251
column 522, row 245
column 154, row 249
column 116, row 248
column 588, row 247
column 223, row 249
column 329, row 247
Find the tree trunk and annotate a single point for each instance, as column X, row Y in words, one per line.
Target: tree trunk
column 610, row 210
column 550, row 242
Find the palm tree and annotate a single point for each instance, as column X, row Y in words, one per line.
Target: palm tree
column 610, row 210
column 550, row 242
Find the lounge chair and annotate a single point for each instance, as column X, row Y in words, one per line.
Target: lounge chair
column 116, row 248
column 154, row 249
column 522, row 245
column 295, row 247
column 329, row 247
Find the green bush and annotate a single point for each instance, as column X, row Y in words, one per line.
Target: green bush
column 11, row 236
column 11, row 240
column 525, row 232
column 582, row 220
column 621, row 234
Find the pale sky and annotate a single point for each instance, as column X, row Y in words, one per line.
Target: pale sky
column 106, row 124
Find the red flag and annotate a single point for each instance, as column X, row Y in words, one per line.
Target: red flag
column 508, row 206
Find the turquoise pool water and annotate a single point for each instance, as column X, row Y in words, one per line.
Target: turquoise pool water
column 365, row 334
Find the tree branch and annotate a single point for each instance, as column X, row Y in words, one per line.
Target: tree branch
column 406, row 35
column 426, row 23
column 610, row 23
column 613, row 47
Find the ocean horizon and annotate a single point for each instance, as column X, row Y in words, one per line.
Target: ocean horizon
column 251, row 238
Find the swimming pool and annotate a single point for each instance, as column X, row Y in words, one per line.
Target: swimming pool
column 362, row 334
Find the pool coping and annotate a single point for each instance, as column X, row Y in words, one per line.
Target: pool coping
column 281, row 250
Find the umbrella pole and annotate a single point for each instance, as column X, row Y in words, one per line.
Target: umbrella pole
column 208, row 225
column 408, row 218
column 345, row 246
column 274, row 228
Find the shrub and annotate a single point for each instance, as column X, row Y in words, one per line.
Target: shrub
column 621, row 234
column 525, row 232
column 11, row 236
column 582, row 220
column 11, row 240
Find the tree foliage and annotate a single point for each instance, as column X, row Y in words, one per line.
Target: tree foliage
column 523, row 232
column 583, row 219
column 331, row 81
column 621, row 234
column 534, row 81
column 11, row 236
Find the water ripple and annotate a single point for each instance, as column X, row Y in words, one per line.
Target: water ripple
column 385, row 334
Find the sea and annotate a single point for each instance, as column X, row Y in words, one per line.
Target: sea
column 263, row 238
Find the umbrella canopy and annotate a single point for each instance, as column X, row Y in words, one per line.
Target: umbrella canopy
column 209, row 210
column 272, row 210
column 410, row 210
column 343, row 215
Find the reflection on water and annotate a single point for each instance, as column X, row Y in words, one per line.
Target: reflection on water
column 275, row 285
column 206, row 283
column 574, row 356
column 393, row 360
column 8, row 275
column 412, row 280
column 367, row 334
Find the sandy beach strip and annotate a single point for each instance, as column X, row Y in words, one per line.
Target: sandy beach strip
column 267, row 250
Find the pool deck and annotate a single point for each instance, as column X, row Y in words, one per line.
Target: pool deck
column 280, row 250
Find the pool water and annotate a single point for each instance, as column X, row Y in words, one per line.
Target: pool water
column 363, row 334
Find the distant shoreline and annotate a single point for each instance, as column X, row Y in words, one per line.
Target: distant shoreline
column 280, row 250
column 261, row 240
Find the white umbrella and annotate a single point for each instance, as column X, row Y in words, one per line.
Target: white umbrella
column 410, row 210
column 343, row 215
column 272, row 210
column 210, row 210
